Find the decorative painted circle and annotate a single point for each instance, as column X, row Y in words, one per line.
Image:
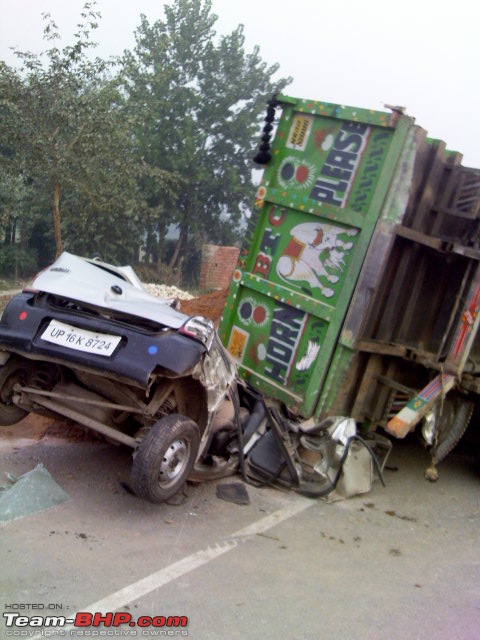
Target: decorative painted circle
column 245, row 310
column 287, row 171
column 293, row 173
column 251, row 312
column 259, row 315
column 302, row 173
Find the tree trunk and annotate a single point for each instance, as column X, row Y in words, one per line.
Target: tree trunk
column 56, row 218
column 179, row 246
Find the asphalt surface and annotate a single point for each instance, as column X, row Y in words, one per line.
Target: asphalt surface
column 399, row 562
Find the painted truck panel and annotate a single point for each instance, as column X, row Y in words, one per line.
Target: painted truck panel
column 357, row 288
column 315, row 213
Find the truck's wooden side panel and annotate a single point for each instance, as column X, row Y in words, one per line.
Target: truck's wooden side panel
column 362, row 249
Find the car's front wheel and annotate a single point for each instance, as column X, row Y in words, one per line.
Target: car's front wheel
column 165, row 458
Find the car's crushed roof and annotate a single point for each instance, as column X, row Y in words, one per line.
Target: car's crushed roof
column 101, row 285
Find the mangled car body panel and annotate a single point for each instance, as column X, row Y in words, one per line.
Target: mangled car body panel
column 34, row 323
column 86, row 342
column 99, row 285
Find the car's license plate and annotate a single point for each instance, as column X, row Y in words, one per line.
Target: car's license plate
column 66, row 335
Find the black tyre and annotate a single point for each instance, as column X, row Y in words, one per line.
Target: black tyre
column 457, row 414
column 165, row 458
column 12, row 373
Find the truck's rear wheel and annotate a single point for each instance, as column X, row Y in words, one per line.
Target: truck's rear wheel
column 458, row 412
column 165, row 458
column 12, row 373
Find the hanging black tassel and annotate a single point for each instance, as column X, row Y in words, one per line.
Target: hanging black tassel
column 264, row 156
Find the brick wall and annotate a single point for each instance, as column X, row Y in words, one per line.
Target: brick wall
column 218, row 264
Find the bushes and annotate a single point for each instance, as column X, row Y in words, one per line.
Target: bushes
column 17, row 263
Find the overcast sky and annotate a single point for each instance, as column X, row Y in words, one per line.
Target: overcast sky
column 421, row 54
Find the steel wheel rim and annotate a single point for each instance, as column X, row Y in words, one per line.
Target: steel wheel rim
column 174, row 463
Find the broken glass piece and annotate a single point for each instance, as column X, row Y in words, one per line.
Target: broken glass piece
column 35, row 491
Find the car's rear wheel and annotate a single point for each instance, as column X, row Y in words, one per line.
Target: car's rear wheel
column 165, row 458
column 13, row 372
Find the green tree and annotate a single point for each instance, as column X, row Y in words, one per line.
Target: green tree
column 197, row 102
column 66, row 134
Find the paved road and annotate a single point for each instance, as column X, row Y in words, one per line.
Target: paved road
column 400, row 562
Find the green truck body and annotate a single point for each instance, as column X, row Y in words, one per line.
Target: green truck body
column 359, row 263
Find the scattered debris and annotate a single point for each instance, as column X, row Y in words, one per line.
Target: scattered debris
column 394, row 514
column 167, row 292
column 328, row 460
column 235, row 492
column 35, row 491
column 265, row 535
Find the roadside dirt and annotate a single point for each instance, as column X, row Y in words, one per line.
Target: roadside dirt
column 34, row 428
column 209, row 305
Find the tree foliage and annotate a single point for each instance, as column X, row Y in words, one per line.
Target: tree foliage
column 106, row 158
column 69, row 140
column 197, row 102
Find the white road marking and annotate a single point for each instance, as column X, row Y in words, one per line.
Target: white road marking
column 160, row 578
